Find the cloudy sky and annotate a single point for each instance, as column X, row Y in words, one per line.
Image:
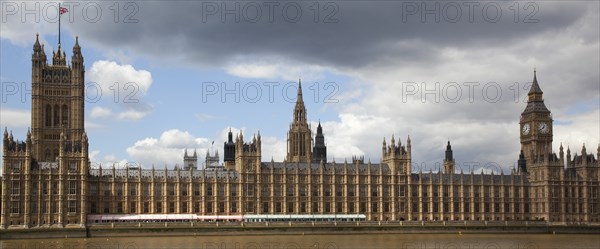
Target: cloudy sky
column 164, row 76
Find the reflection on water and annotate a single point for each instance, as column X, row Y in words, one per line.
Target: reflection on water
column 409, row 241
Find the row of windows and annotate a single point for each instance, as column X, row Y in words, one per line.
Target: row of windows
column 303, row 190
column 266, row 207
column 158, row 190
column 15, row 165
column 265, row 191
column 54, row 92
column 72, row 188
column 72, row 207
column 326, row 178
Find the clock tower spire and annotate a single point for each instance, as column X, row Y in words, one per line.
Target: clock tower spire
column 536, row 126
column 299, row 139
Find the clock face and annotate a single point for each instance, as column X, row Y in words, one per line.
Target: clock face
column 526, row 129
column 543, row 128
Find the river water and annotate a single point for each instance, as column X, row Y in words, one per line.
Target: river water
column 409, row 241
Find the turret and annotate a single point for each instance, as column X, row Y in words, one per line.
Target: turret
column 358, row 159
column 258, row 143
column 229, row 151
column 449, row 160
column 77, row 49
column 77, row 61
column 37, row 48
column 383, row 147
column 320, row 149
column 561, row 154
column 212, row 162
column 449, row 152
column 5, row 141
column 247, row 155
column 408, row 146
column 396, row 157
column 84, row 143
column 59, row 58
column 584, row 155
column 191, row 162
column 38, row 61
column 28, row 139
column 43, row 55
column 522, row 163
column 569, row 163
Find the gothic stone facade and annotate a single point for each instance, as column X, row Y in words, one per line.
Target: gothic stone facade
column 47, row 180
column 44, row 178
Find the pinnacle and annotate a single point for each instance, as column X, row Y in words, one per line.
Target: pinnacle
column 535, row 87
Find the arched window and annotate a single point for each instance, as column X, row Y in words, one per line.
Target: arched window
column 48, row 114
column 65, row 116
column 55, row 155
column 48, row 156
column 56, row 117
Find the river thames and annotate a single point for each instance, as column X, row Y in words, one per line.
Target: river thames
column 409, row 241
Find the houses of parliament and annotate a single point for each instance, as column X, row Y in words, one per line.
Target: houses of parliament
column 47, row 180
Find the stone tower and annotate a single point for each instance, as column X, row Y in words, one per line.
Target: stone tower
column 320, row 149
column 536, row 125
column 229, row 152
column 190, row 162
column 299, row 136
column 397, row 156
column 247, row 155
column 449, row 160
column 53, row 163
column 212, row 161
column 543, row 169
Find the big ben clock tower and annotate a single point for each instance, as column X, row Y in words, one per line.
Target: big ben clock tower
column 536, row 125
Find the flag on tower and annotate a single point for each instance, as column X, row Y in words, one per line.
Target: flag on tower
column 61, row 10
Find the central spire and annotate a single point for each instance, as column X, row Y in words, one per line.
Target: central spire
column 299, row 109
column 299, row 135
column 299, row 95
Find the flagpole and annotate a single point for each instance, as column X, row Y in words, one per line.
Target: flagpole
column 59, row 14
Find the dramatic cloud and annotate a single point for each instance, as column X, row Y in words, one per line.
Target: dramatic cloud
column 122, row 85
column 460, row 76
column 344, row 34
column 112, row 77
